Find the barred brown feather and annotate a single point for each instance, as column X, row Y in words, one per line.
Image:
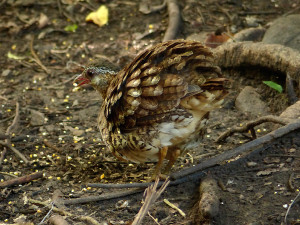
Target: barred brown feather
column 161, row 99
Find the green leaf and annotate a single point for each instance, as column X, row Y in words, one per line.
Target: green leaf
column 274, row 85
column 71, row 28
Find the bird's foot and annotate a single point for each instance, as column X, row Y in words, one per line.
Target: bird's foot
column 160, row 176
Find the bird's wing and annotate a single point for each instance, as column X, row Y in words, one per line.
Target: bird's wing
column 150, row 87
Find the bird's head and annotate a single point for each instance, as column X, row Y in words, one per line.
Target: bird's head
column 98, row 74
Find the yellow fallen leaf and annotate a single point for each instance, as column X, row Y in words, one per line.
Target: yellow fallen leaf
column 100, row 17
column 13, row 56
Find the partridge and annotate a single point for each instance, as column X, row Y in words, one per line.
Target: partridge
column 158, row 105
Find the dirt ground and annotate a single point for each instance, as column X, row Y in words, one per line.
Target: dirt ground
column 37, row 62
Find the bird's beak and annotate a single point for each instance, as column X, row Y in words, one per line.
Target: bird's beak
column 81, row 80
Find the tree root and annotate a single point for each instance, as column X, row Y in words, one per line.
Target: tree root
column 174, row 20
column 250, row 126
column 273, row 56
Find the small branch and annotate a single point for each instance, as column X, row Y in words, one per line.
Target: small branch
column 250, row 125
column 101, row 197
column 21, row 180
column 36, row 58
column 174, row 20
column 144, row 8
column 6, row 119
column 16, row 151
column 8, row 174
column 209, row 201
column 9, row 131
column 174, row 207
column 126, row 185
column 151, row 195
column 289, row 208
column 64, row 212
column 290, row 90
column 291, row 187
column 15, row 122
column 48, row 144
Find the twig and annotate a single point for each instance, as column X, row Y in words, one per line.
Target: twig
column 36, row 58
column 101, row 197
column 174, row 20
column 289, row 208
column 49, row 212
column 257, row 13
column 201, row 15
column 290, row 90
column 21, row 180
column 209, row 200
column 250, row 125
column 291, row 11
column 15, row 122
column 151, row 195
column 6, row 119
column 3, row 136
column 147, row 10
column 174, row 207
column 290, row 183
column 16, row 151
column 155, row 220
column 127, row 185
column 64, row 212
column 221, row 8
column 48, row 144
column 282, row 155
column 1, row 97
column 9, row 131
column 8, row 174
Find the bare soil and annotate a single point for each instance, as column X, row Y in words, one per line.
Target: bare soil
column 257, row 189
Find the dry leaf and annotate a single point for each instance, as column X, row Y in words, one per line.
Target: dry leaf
column 100, row 17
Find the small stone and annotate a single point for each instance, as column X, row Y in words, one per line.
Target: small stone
column 75, row 103
column 251, row 188
column 251, row 164
column 201, row 37
column 285, row 31
column 77, row 133
column 50, row 128
column 254, row 223
column 242, row 197
column 288, row 160
column 5, row 73
column 249, row 102
column 36, row 118
column 231, row 190
column 60, row 93
column 292, row 150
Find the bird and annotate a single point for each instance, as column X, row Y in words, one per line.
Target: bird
column 158, row 105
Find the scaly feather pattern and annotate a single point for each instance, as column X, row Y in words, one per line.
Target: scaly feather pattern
column 160, row 100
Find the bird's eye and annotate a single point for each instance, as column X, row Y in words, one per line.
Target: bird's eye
column 90, row 73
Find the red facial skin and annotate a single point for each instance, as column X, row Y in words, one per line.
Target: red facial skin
column 81, row 80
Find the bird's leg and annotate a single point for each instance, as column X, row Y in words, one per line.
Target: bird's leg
column 172, row 157
column 162, row 155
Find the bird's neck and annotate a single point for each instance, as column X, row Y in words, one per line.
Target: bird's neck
column 102, row 84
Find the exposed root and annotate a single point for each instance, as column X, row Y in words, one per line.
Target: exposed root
column 250, row 126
